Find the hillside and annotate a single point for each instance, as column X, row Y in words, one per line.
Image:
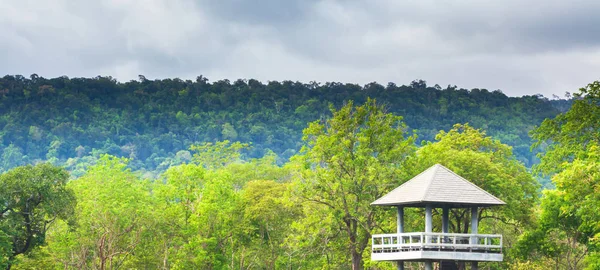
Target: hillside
column 71, row 121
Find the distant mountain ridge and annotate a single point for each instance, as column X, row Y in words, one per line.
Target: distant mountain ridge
column 71, row 121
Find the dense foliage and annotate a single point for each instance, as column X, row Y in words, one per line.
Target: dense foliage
column 568, row 232
column 153, row 123
column 31, row 199
column 224, row 204
column 351, row 160
column 219, row 211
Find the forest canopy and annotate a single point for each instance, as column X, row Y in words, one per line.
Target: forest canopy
column 73, row 121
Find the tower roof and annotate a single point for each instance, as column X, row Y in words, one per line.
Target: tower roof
column 439, row 186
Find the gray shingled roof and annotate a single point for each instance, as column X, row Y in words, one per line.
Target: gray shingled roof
column 438, row 186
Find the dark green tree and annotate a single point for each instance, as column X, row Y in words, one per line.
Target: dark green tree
column 31, row 198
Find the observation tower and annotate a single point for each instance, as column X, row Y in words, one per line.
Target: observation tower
column 438, row 187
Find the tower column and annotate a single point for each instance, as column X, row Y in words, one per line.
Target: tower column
column 400, row 221
column 428, row 228
column 445, row 213
column 474, row 220
column 428, row 218
column 445, row 227
column 474, row 229
column 400, row 229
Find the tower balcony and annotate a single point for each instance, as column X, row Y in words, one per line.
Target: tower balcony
column 437, row 246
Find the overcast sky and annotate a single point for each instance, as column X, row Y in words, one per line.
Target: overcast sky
column 520, row 47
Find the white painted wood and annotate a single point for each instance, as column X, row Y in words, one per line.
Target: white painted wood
column 442, row 246
column 438, row 255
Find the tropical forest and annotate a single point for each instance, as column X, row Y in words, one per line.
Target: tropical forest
column 97, row 173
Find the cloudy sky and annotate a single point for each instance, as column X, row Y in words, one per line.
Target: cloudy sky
column 520, row 47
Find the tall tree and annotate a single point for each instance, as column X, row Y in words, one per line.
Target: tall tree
column 268, row 215
column 489, row 164
column 31, row 199
column 114, row 220
column 570, row 135
column 572, row 158
column 351, row 160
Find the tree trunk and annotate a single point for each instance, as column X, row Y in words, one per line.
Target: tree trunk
column 357, row 261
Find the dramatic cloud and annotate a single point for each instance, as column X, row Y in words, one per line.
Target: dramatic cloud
column 530, row 47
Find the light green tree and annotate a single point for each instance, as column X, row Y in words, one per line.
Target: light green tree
column 350, row 160
column 569, row 219
column 568, row 231
column 487, row 163
column 555, row 242
column 178, row 194
column 268, row 214
column 214, row 227
column 217, row 155
column 571, row 134
column 115, row 221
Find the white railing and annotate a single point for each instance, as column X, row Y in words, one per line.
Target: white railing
column 452, row 242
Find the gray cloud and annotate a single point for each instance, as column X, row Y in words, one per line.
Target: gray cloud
column 520, row 47
column 275, row 13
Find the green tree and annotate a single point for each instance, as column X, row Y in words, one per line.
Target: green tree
column 31, row 199
column 571, row 134
column 115, row 221
column 217, row 155
column 571, row 142
column 5, row 250
column 215, row 225
column 351, row 160
column 489, row 164
column 268, row 214
column 12, row 156
column 556, row 241
column 229, row 132
column 178, row 195
column 568, row 231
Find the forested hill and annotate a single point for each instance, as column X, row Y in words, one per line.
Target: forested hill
column 72, row 121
